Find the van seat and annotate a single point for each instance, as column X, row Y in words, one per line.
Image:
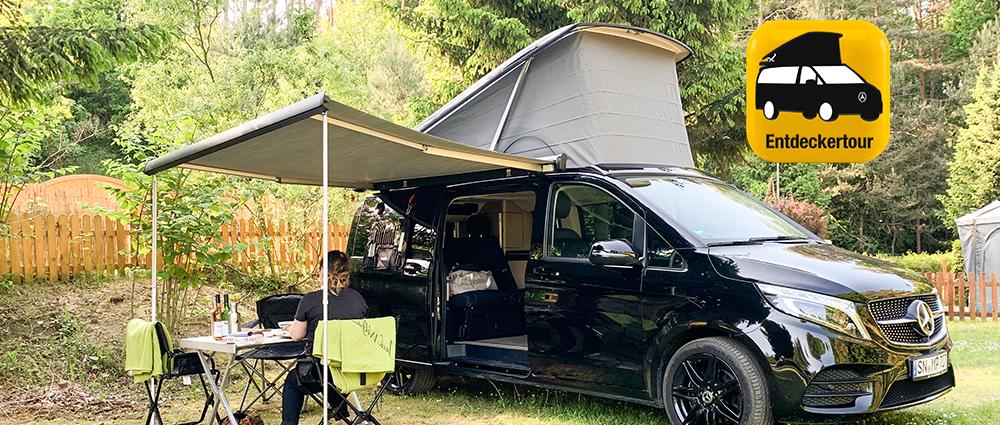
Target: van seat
column 487, row 313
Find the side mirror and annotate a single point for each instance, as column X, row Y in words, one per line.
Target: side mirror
column 615, row 252
column 811, row 82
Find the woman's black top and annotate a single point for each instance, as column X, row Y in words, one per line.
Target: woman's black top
column 347, row 304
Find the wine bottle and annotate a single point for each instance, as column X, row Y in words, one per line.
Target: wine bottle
column 234, row 316
column 225, row 315
column 218, row 326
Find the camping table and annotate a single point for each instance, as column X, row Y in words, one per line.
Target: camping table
column 206, row 347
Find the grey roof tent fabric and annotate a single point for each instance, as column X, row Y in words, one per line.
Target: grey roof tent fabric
column 599, row 93
column 286, row 146
column 979, row 234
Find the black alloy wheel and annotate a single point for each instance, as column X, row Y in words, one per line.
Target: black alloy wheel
column 705, row 390
column 715, row 381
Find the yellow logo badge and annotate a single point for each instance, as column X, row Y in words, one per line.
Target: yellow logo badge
column 818, row 91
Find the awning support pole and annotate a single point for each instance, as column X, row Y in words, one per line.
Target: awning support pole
column 510, row 104
column 324, row 276
column 153, row 256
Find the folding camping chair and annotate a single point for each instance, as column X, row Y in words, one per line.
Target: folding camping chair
column 179, row 364
column 270, row 311
column 361, row 354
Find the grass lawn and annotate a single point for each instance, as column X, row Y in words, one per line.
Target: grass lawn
column 976, row 399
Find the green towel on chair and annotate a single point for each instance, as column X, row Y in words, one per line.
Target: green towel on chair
column 143, row 358
column 360, row 351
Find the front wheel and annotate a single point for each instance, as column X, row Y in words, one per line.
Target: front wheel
column 826, row 112
column 770, row 111
column 715, row 381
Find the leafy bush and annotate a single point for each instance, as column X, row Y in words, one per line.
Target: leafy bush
column 925, row 262
column 807, row 214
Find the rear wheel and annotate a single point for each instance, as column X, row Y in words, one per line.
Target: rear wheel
column 410, row 380
column 715, row 381
column 770, row 111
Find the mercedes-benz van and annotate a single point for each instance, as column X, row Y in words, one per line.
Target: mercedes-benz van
column 655, row 285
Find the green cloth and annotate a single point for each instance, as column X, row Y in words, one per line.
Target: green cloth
column 143, row 358
column 360, row 352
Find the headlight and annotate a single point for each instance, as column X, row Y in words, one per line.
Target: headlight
column 835, row 313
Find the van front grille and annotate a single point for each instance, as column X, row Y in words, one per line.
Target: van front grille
column 890, row 315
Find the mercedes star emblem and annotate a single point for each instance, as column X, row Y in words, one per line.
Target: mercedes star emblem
column 862, row 97
column 923, row 318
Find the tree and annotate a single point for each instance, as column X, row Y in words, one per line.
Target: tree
column 35, row 56
column 963, row 22
column 974, row 177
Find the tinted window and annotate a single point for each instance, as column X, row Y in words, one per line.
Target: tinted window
column 713, row 211
column 582, row 215
column 660, row 253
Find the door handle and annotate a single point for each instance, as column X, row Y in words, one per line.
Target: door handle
column 545, row 271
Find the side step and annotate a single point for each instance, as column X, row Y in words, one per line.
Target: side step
column 505, row 361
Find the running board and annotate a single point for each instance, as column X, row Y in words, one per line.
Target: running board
column 508, row 369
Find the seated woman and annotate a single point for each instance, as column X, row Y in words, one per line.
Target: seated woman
column 343, row 303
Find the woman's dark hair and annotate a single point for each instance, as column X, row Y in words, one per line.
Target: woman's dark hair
column 339, row 269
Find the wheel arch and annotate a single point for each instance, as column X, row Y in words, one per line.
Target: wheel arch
column 669, row 343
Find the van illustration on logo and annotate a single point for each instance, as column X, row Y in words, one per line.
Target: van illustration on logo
column 806, row 75
column 817, row 91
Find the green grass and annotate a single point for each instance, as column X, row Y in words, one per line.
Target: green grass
column 72, row 334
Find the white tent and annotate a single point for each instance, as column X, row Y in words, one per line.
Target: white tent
column 979, row 234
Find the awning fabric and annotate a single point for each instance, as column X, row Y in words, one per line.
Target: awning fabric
column 286, row 146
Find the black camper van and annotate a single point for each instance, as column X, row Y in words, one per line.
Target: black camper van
column 806, row 75
column 656, row 285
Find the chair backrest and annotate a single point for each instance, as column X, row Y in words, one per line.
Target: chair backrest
column 360, row 351
column 162, row 338
column 277, row 308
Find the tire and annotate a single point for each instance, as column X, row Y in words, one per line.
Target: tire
column 770, row 111
column 869, row 117
column 737, row 394
column 411, row 380
column 809, row 115
column 826, row 112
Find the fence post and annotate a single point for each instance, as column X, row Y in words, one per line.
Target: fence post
column 993, row 284
column 40, row 252
column 16, row 242
column 63, row 257
column 52, row 241
column 28, row 247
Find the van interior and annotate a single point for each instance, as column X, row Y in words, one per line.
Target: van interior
column 486, row 249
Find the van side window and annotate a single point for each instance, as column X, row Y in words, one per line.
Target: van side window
column 380, row 239
column 778, row 75
column 582, row 215
column 808, row 74
column 661, row 254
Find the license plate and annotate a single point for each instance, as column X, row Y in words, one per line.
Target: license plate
column 928, row 366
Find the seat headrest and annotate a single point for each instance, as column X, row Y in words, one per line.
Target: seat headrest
column 563, row 205
column 479, row 225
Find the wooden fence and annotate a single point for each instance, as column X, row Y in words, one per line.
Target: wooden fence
column 968, row 295
column 53, row 248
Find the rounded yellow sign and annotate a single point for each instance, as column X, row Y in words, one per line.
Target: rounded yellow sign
column 818, row 91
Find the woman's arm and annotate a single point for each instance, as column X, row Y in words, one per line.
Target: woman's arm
column 297, row 330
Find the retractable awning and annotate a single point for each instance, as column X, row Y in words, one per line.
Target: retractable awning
column 364, row 151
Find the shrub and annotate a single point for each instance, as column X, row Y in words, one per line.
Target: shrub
column 925, row 262
column 807, row 214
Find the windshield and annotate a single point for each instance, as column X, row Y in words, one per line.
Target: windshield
column 713, row 211
column 838, row 74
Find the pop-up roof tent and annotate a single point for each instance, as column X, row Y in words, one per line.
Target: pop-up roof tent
column 979, row 234
column 598, row 93
column 811, row 48
column 584, row 94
